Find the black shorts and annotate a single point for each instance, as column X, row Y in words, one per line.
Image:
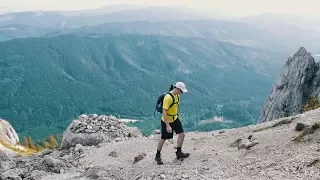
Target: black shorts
column 176, row 127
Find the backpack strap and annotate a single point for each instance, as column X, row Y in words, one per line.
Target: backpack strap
column 173, row 102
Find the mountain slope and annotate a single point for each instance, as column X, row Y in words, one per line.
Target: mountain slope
column 280, row 38
column 272, row 20
column 48, row 81
column 148, row 14
column 76, row 19
column 37, row 23
column 215, row 155
column 4, row 37
column 252, row 31
column 22, row 31
column 264, row 151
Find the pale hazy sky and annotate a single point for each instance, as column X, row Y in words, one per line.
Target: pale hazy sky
column 234, row 7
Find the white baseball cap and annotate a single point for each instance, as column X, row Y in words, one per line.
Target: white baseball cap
column 181, row 86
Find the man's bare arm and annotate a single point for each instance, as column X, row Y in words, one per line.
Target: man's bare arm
column 165, row 116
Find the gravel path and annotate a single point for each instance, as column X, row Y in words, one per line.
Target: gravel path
column 275, row 156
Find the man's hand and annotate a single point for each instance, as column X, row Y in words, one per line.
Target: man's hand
column 169, row 129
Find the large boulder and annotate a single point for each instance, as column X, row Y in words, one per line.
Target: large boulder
column 92, row 129
column 8, row 136
column 7, row 133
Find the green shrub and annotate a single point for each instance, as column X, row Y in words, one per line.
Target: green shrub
column 300, row 126
column 313, row 103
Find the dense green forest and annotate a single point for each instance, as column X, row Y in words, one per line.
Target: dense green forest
column 45, row 83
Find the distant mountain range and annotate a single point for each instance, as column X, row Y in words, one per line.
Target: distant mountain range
column 275, row 32
column 268, row 20
column 39, row 23
column 76, row 19
column 282, row 38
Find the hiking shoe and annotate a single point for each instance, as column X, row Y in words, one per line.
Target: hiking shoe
column 158, row 160
column 181, row 155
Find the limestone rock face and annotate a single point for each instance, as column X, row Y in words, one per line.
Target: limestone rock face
column 298, row 79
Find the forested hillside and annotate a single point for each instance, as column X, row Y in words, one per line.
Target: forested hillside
column 46, row 82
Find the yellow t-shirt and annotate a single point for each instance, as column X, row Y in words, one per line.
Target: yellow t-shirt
column 167, row 101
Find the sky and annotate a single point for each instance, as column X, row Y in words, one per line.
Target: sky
column 232, row 7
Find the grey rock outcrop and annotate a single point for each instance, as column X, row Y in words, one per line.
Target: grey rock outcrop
column 8, row 137
column 65, row 163
column 92, row 129
column 7, row 133
column 298, row 80
column 37, row 165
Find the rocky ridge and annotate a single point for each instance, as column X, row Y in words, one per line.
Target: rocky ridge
column 299, row 79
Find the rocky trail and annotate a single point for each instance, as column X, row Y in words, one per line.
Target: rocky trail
column 263, row 151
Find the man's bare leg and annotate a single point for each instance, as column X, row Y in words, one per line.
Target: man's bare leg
column 160, row 144
column 159, row 148
column 180, row 141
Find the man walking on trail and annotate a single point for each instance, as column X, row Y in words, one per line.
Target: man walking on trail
column 170, row 121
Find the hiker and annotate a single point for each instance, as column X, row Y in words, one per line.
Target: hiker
column 170, row 121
